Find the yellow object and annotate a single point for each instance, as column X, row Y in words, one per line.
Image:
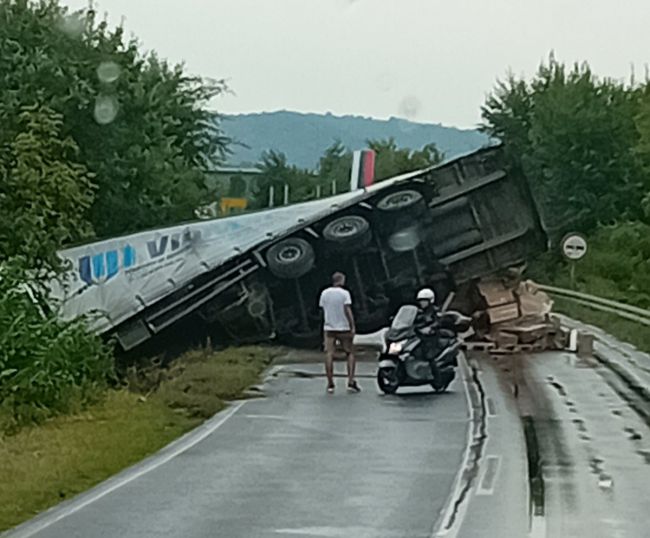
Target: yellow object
column 228, row 204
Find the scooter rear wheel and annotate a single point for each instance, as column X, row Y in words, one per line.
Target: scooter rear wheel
column 440, row 388
column 442, row 385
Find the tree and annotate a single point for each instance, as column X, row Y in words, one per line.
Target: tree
column 392, row 161
column 45, row 194
column 47, row 366
column 336, row 162
column 276, row 173
column 574, row 137
column 236, row 186
column 642, row 148
column 334, row 166
column 507, row 115
column 141, row 125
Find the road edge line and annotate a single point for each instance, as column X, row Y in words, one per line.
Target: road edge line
column 441, row 526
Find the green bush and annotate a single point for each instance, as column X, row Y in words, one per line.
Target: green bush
column 47, row 366
column 202, row 380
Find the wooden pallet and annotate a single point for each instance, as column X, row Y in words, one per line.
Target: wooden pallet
column 478, row 346
column 511, row 349
column 519, row 348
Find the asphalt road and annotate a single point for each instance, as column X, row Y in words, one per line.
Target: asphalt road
column 594, row 448
column 297, row 463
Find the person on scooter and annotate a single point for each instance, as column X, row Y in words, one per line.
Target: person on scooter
column 426, row 322
column 428, row 327
column 427, row 310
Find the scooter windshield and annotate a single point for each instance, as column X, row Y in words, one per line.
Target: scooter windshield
column 405, row 318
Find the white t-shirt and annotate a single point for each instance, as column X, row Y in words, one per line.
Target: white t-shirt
column 333, row 302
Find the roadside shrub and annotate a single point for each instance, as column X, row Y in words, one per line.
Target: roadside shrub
column 617, row 265
column 47, row 366
column 201, row 380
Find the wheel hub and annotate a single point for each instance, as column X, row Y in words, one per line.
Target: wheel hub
column 290, row 253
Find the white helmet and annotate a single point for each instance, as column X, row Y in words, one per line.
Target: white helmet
column 426, row 294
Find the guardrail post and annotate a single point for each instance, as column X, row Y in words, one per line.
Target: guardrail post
column 585, row 345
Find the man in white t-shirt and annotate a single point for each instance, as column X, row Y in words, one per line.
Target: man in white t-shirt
column 338, row 325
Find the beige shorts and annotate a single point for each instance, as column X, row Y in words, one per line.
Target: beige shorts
column 344, row 338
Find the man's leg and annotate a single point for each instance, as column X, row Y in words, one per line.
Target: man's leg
column 430, row 352
column 329, row 360
column 347, row 342
column 352, row 364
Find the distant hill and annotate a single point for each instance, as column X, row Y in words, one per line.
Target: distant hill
column 304, row 137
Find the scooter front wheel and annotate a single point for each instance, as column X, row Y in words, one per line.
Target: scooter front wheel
column 388, row 380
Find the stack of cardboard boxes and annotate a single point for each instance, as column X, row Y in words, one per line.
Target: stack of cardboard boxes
column 516, row 316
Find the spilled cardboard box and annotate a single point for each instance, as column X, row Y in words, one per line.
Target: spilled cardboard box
column 516, row 316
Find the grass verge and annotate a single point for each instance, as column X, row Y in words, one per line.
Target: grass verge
column 43, row 465
column 627, row 331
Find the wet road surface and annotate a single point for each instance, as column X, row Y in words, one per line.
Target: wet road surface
column 298, row 463
column 592, row 453
column 544, row 445
column 595, row 447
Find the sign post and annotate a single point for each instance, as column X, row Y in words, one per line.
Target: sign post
column 574, row 247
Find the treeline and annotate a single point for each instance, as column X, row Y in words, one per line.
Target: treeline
column 333, row 173
column 97, row 139
column 584, row 144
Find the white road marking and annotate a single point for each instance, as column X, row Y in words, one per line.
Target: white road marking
column 491, row 407
column 489, row 475
column 334, row 532
column 447, row 512
column 187, row 441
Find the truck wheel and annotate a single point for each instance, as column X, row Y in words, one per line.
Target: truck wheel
column 406, row 239
column 257, row 307
column 400, row 200
column 291, row 258
column 349, row 232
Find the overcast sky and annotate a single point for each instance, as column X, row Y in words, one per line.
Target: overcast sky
column 426, row 60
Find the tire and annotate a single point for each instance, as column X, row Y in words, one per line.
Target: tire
column 291, row 258
column 257, row 308
column 385, row 383
column 400, row 200
column 348, row 232
column 406, row 239
column 258, row 302
column 441, row 387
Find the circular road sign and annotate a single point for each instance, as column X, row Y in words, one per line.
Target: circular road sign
column 574, row 246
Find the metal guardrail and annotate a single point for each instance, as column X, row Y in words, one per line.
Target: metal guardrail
column 632, row 313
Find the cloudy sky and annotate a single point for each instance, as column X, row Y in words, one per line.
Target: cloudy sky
column 427, row 60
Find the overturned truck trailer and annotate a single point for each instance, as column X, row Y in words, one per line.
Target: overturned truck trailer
column 257, row 276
